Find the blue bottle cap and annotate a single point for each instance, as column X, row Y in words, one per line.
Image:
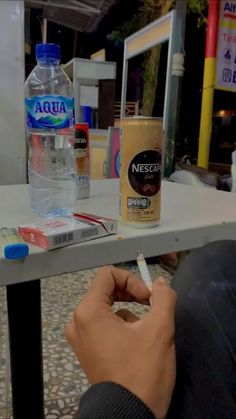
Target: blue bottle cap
column 51, row 51
column 16, row 251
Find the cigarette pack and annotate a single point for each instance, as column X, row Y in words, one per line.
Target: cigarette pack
column 63, row 231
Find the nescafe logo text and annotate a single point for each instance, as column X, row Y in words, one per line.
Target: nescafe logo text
column 144, row 172
column 81, row 139
column 146, row 168
column 80, row 144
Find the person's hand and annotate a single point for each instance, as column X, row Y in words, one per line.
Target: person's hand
column 137, row 354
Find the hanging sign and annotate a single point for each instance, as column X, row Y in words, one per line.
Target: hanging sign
column 226, row 51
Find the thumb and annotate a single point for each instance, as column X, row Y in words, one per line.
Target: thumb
column 163, row 299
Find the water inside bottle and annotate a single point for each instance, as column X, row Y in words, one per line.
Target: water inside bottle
column 51, row 170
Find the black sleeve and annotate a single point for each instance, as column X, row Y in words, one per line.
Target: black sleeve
column 111, row 401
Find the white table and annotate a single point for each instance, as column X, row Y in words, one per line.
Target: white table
column 191, row 217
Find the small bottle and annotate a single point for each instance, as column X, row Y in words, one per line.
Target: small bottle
column 49, row 101
column 81, row 148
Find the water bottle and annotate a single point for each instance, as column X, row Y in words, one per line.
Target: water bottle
column 49, row 102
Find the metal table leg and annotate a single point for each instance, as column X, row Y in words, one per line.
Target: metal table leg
column 25, row 334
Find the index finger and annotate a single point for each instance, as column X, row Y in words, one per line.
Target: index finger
column 162, row 312
column 113, row 284
column 163, row 299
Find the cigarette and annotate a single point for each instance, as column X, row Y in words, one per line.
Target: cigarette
column 143, row 269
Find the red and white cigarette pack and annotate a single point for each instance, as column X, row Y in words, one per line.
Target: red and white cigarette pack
column 64, row 231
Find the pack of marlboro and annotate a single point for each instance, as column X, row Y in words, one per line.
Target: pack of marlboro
column 64, row 231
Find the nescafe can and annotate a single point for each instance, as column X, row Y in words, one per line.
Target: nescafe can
column 140, row 177
column 81, row 148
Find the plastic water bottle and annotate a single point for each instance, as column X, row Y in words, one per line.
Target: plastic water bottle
column 49, row 101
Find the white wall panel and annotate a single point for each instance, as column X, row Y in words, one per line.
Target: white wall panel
column 12, row 132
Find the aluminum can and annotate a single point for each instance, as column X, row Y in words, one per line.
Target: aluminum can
column 141, row 171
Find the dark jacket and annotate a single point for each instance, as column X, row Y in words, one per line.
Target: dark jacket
column 112, row 401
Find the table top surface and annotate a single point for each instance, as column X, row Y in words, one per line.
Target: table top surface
column 191, row 216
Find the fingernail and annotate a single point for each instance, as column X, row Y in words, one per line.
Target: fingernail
column 162, row 280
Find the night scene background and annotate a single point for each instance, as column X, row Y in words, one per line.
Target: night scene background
column 83, row 44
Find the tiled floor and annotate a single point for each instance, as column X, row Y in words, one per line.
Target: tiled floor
column 64, row 381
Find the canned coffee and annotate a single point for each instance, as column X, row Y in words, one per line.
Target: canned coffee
column 140, row 177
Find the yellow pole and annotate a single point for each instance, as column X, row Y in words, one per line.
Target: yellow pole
column 208, row 83
column 206, row 112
